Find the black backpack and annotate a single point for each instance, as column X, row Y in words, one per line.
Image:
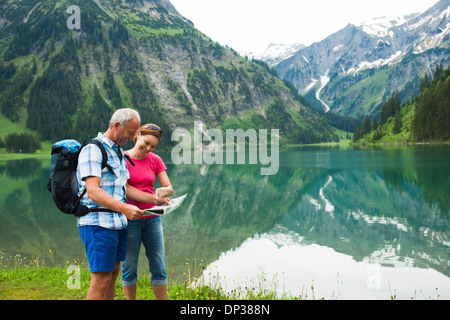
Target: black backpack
column 63, row 184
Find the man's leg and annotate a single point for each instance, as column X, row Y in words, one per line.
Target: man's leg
column 102, row 246
column 110, row 293
column 100, row 282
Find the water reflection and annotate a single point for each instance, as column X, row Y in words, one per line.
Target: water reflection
column 21, row 169
column 362, row 214
column 369, row 211
column 31, row 224
column 287, row 263
column 327, row 211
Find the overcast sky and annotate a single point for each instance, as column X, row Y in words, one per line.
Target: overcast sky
column 251, row 25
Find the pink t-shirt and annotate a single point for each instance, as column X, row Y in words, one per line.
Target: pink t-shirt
column 143, row 175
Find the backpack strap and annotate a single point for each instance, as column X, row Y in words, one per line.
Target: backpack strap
column 81, row 210
column 84, row 209
column 103, row 151
column 129, row 159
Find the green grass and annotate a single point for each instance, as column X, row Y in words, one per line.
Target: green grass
column 388, row 138
column 43, row 153
column 22, row 279
column 7, row 126
column 45, row 283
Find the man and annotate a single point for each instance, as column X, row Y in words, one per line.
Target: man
column 104, row 234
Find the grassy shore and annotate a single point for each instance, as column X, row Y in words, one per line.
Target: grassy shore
column 30, row 281
column 57, row 284
column 43, row 153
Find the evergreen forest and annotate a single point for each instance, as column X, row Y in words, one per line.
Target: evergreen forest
column 426, row 118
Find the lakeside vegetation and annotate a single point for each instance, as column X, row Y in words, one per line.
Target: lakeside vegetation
column 32, row 280
column 424, row 119
column 343, row 143
column 43, row 152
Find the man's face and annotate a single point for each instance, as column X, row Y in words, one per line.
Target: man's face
column 125, row 133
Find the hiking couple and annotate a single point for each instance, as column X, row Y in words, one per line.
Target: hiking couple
column 114, row 237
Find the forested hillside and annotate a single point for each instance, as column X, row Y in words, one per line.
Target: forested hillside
column 424, row 119
column 58, row 82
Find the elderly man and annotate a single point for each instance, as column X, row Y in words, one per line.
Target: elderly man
column 104, row 234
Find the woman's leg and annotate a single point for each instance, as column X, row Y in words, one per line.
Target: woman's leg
column 129, row 266
column 153, row 239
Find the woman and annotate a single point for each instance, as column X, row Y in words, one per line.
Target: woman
column 147, row 230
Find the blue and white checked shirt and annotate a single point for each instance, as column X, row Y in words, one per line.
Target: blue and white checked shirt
column 90, row 164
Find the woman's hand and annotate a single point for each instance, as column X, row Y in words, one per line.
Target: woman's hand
column 160, row 192
column 161, row 196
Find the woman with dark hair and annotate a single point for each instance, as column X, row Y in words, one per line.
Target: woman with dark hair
column 148, row 230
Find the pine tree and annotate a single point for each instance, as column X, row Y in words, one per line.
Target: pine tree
column 424, row 82
column 366, row 126
column 374, row 122
column 397, row 123
column 432, row 114
column 390, row 107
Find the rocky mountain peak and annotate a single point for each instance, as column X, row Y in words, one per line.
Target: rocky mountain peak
column 354, row 70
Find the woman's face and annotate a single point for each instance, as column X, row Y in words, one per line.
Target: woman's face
column 146, row 143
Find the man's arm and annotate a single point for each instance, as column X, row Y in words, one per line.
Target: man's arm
column 102, row 198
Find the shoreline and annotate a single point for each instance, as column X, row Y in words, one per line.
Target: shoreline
column 45, row 153
column 56, row 283
column 72, row 283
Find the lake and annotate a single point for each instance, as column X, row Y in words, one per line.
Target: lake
column 352, row 224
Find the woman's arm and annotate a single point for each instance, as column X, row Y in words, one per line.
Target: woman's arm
column 166, row 189
column 141, row 196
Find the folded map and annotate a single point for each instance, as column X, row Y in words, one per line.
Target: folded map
column 165, row 208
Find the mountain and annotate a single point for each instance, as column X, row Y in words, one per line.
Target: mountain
column 380, row 26
column 354, row 70
column 62, row 82
column 276, row 52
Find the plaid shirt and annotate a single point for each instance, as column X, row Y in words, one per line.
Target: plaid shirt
column 90, row 164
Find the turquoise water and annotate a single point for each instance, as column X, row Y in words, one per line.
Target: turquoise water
column 355, row 224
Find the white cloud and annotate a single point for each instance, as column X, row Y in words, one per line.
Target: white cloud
column 250, row 25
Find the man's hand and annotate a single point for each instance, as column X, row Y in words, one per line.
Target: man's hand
column 99, row 196
column 132, row 212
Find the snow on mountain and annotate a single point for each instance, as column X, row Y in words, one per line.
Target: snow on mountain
column 381, row 26
column 429, row 18
column 323, row 82
column 375, row 64
column 434, row 28
column 339, row 73
column 276, row 52
column 427, row 43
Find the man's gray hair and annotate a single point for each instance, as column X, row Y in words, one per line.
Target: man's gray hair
column 124, row 116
